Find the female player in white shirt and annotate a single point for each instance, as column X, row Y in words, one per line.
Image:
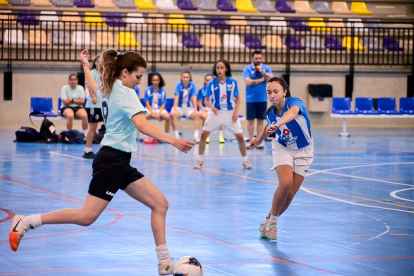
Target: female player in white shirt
column 292, row 149
column 123, row 114
column 223, row 90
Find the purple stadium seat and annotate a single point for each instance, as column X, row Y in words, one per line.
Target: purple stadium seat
column 83, row 4
column 391, row 44
column 253, row 42
column 284, row 6
column 114, row 19
column 186, row 5
column 225, row 5
column 298, row 24
column 27, row 18
column 217, row 22
column 191, row 41
column 293, row 42
column 333, row 43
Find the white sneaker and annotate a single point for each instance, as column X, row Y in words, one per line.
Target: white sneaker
column 17, row 232
column 271, row 230
column 247, row 165
column 198, row 165
column 262, row 229
column 165, row 269
column 196, row 140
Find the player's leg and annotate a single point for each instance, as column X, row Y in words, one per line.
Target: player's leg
column 69, row 115
column 175, row 115
column 166, row 117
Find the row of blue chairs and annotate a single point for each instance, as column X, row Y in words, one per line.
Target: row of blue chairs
column 366, row 106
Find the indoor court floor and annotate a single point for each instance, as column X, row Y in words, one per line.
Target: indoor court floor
column 354, row 214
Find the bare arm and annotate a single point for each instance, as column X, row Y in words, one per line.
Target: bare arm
column 236, row 109
column 176, row 98
column 251, row 82
column 92, row 85
column 286, row 118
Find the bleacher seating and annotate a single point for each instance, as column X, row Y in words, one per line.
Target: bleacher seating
column 211, row 41
column 293, row 42
column 274, row 42
column 145, row 5
column 82, row 39
column 253, row 42
column 333, row 43
column 341, row 8
column 63, row 3
column 245, row 6
column 4, row 3
column 41, row 3
column 71, row 18
column 303, row 7
column 197, row 21
column 177, row 21
column 170, row 40
column 336, row 24
column 114, row 19
column 60, row 38
column 83, row 3
column 322, row 7
column 298, row 24
column 136, row 20
column 318, row 25
column 313, row 42
column 126, row 4
column 126, row 39
column 387, row 106
column 38, row 37
column 105, row 39
column 407, row 105
column 19, row 2
column 364, row 106
column 14, row 37
column 278, row 24
column 341, row 105
column 218, row 23
column 360, row 8
column 43, row 106
column 391, row 44
column 232, row 41
column 94, row 19
column 49, row 20
column 371, row 43
column 186, row 5
column 239, row 24
column 354, row 44
column 283, row 6
column 264, row 6
column 166, row 5
column 225, row 5
column 147, row 39
column 258, row 22
column 106, row 4
column 191, row 41
column 206, row 5
column 27, row 18
column 7, row 17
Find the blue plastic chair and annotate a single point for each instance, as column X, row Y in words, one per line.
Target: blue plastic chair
column 293, row 42
column 387, row 106
column 253, row 42
column 283, row 6
column 191, row 41
column 169, row 105
column 407, row 105
column 341, row 106
column 364, row 106
column 333, row 43
column 391, row 44
column 43, row 105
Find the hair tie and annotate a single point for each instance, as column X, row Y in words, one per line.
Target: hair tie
column 117, row 54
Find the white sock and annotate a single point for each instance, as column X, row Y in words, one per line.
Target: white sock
column 85, row 131
column 265, row 220
column 88, row 150
column 177, row 134
column 244, row 158
column 220, row 133
column 32, row 222
column 196, row 133
column 273, row 218
column 200, row 157
column 162, row 254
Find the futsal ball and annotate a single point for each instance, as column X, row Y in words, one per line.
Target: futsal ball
column 188, row 266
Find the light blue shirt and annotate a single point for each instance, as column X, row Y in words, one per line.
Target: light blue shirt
column 117, row 110
column 222, row 95
column 256, row 93
column 185, row 93
column 200, row 94
column 69, row 93
column 89, row 104
column 296, row 134
column 159, row 100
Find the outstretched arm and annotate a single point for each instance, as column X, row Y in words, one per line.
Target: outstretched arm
column 286, row 118
column 92, row 85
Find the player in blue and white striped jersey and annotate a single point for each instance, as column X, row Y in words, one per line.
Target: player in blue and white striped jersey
column 292, row 149
column 223, row 90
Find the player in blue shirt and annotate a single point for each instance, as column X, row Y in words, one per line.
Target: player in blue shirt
column 203, row 110
column 155, row 101
column 123, row 114
column 255, row 75
column 292, row 149
column 223, row 90
column 185, row 104
column 136, row 89
column 93, row 108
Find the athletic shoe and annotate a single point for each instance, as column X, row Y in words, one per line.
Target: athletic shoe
column 17, row 232
column 198, row 165
column 260, row 146
column 208, row 140
column 222, row 140
column 271, row 230
column 88, row 155
column 196, row 140
column 148, row 140
column 262, row 229
column 247, row 165
column 165, row 269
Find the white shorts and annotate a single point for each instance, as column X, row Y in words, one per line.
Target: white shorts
column 298, row 159
column 156, row 111
column 225, row 118
column 185, row 111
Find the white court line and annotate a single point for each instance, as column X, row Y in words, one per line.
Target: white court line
column 386, row 226
column 394, row 194
column 67, row 155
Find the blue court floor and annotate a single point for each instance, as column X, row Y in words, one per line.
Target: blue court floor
column 353, row 216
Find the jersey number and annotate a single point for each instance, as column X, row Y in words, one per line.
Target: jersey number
column 105, row 111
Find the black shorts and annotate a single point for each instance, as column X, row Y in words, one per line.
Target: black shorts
column 256, row 110
column 75, row 109
column 94, row 115
column 111, row 172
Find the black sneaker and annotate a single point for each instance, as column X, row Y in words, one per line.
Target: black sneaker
column 89, row 155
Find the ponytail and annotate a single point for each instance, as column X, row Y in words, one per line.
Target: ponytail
column 113, row 63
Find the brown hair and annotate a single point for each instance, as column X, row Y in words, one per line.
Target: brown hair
column 282, row 83
column 113, row 62
column 186, row 72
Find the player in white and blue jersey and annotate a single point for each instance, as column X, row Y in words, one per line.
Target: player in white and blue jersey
column 185, row 104
column 223, row 90
column 93, row 108
column 123, row 114
column 292, row 149
column 155, row 101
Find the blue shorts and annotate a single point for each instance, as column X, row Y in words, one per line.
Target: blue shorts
column 256, row 110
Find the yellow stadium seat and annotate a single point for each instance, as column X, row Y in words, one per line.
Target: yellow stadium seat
column 245, row 6
column 274, row 42
column 4, row 3
column 341, row 8
column 347, row 42
column 94, row 19
column 177, row 21
column 318, row 25
column 145, row 5
column 126, row 39
column 38, row 37
column 360, row 8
